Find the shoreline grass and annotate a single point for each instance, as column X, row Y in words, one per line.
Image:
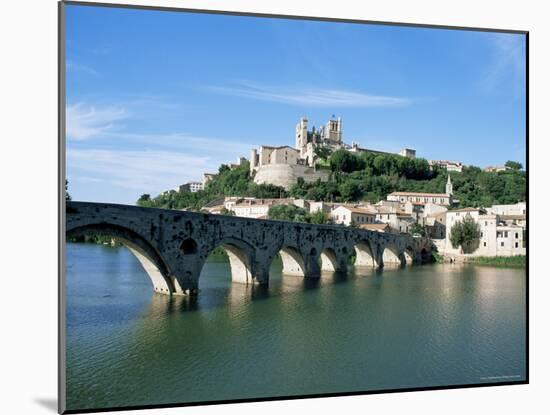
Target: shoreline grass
column 503, row 261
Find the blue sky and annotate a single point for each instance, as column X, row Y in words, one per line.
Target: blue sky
column 154, row 99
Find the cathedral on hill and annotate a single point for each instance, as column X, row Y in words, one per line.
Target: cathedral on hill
column 283, row 165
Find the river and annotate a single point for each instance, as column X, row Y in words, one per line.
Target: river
column 419, row 326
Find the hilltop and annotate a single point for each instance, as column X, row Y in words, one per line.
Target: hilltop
column 358, row 177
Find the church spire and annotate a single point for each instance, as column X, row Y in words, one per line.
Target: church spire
column 449, row 186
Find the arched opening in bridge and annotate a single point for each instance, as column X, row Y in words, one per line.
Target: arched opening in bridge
column 329, row 260
column 364, row 255
column 149, row 258
column 409, row 256
column 292, row 261
column 230, row 258
column 392, row 257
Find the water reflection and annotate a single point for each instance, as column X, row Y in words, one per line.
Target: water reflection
column 366, row 330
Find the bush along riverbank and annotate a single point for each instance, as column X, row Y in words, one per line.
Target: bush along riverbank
column 504, row 261
column 95, row 239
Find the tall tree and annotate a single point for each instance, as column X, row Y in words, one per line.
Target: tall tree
column 465, row 235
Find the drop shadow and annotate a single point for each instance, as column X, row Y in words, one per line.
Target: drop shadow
column 48, row 403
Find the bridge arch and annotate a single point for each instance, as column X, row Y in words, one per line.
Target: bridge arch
column 409, row 255
column 293, row 261
column 240, row 255
column 364, row 254
column 392, row 256
column 149, row 258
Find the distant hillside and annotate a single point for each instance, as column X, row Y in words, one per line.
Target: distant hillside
column 364, row 176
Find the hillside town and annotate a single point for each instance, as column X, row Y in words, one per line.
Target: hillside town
column 502, row 228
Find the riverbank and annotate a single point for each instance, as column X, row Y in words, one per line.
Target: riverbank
column 498, row 261
column 517, row 261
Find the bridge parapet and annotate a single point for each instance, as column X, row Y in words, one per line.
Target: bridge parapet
column 174, row 245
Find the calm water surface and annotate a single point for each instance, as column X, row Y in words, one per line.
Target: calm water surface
column 418, row 326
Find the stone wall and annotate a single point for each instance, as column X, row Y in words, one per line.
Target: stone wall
column 286, row 175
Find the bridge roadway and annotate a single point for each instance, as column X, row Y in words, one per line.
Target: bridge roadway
column 173, row 245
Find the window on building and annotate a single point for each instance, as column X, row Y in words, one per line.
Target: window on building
column 502, row 244
column 517, row 235
column 484, row 243
column 481, row 234
column 517, row 244
column 506, row 234
column 485, row 223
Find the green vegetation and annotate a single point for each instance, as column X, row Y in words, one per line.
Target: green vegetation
column 293, row 213
column 513, row 165
column 371, row 176
column 437, row 257
column 67, row 195
column 465, row 235
column 96, row 239
column 359, row 177
column 418, row 229
column 505, row 261
column 234, row 181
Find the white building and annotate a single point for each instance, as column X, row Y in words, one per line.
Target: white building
column 519, row 208
column 448, row 165
column 398, row 220
column 408, row 152
column 346, row 215
column 500, row 235
column 259, row 208
column 420, row 198
column 191, row 187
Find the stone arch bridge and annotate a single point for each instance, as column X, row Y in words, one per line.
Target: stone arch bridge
column 173, row 245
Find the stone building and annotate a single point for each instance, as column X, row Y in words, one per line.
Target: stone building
column 284, row 165
column 519, row 208
column 420, row 198
column 347, row 215
column 191, row 187
column 500, row 235
column 448, row 165
column 398, row 220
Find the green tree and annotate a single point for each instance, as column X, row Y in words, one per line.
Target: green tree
column 319, row 217
column 344, row 161
column 224, row 211
column 290, row 213
column 465, row 235
column 67, row 195
column 513, row 165
column 418, row 229
column 145, row 200
column 322, row 153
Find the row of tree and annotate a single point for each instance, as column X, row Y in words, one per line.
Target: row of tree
column 359, row 177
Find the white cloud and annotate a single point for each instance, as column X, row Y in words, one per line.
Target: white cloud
column 508, row 60
column 77, row 67
column 144, row 171
column 85, row 121
column 183, row 141
column 311, row 96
